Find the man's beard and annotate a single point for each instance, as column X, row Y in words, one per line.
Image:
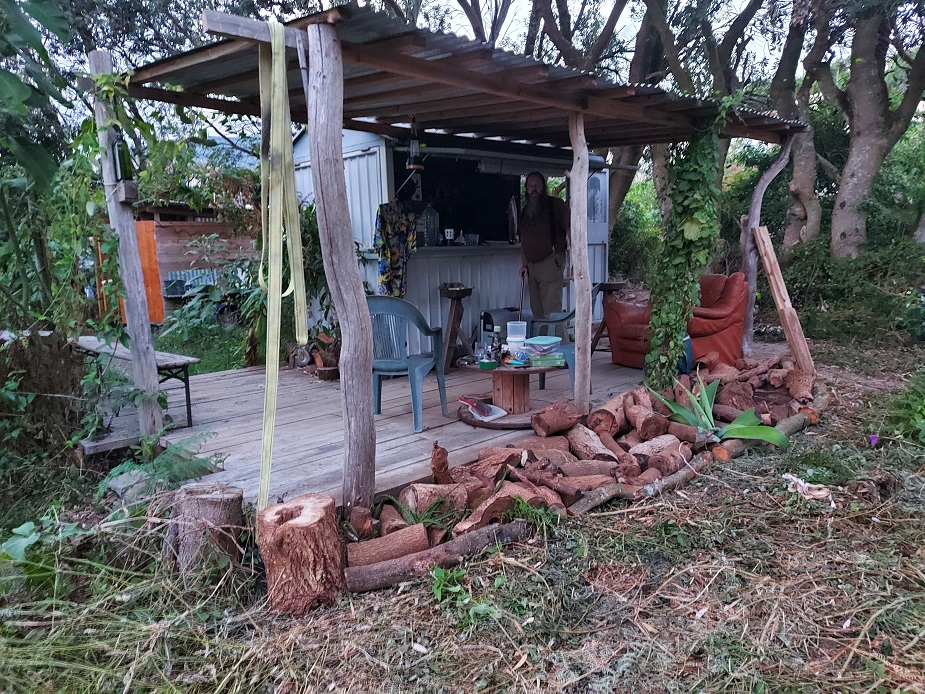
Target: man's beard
column 533, row 208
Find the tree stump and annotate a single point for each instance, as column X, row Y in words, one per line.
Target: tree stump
column 302, row 551
column 205, row 523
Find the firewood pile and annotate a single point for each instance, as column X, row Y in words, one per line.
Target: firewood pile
column 625, row 448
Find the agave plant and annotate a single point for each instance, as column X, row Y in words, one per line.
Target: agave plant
column 747, row 425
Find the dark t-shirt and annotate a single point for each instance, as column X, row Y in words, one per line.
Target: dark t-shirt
column 536, row 240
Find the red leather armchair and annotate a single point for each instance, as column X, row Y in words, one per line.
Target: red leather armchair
column 716, row 325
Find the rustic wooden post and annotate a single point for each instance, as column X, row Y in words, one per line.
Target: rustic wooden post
column 122, row 221
column 325, row 124
column 747, row 242
column 578, row 199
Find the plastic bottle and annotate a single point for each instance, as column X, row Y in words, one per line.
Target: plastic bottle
column 496, row 345
column 430, row 226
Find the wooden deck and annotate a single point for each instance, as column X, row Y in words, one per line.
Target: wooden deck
column 308, row 447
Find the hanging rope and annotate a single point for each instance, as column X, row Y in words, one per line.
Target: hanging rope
column 279, row 220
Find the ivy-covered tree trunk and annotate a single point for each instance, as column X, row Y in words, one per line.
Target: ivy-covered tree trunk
column 689, row 236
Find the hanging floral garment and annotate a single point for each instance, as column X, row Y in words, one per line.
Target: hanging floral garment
column 395, row 241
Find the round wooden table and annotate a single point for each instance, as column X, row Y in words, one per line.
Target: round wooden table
column 511, row 385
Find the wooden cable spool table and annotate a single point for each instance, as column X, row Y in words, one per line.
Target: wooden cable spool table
column 510, row 392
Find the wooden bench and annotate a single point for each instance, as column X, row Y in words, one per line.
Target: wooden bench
column 169, row 366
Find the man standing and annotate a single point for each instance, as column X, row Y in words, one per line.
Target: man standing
column 544, row 228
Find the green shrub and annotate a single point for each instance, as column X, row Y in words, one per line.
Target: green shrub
column 863, row 298
column 907, row 416
column 636, row 238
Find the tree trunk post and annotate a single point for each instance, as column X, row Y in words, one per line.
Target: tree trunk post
column 580, row 264
column 122, row 221
column 325, row 102
column 747, row 241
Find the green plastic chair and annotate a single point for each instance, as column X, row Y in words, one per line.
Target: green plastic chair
column 553, row 322
column 392, row 319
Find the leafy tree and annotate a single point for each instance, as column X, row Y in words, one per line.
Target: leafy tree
column 883, row 87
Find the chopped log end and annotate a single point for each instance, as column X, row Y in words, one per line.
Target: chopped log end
column 361, row 520
column 303, row 553
column 811, row 414
column 647, row 423
column 391, row 520
column 560, row 416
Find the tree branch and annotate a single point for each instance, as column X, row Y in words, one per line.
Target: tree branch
column 473, row 13
column 657, row 16
column 606, row 34
column 915, row 87
column 533, row 28
column 829, row 168
column 498, row 19
column 571, row 55
column 737, row 30
column 396, row 9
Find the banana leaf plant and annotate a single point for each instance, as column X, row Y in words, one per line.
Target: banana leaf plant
column 699, row 415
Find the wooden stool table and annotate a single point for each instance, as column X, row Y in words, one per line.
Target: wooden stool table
column 453, row 333
column 511, row 387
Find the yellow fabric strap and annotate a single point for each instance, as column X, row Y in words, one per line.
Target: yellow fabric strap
column 279, row 218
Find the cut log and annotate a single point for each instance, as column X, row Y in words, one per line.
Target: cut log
column 398, row 544
column 746, row 363
column 648, row 477
column 670, row 460
column 661, row 408
column 491, row 469
column 391, row 520
column 302, row 552
column 680, row 396
column 627, row 471
column 721, row 372
column 563, row 486
column 786, row 362
column 555, row 457
column 560, row 416
column 757, row 381
column 760, row 368
column 628, row 440
column 800, row 385
column 439, row 465
column 361, row 520
column 642, row 397
column 647, row 449
column 726, row 413
column 589, row 467
column 685, row 432
column 205, row 522
column 778, row 377
column 611, row 445
column 647, row 423
column 586, row 445
column 516, row 453
column 738, row 395
column 446, row 555
column 538, row 443
column 500, row 503
column 610, row 416
column 446, row 498
column 779, row 413
column 709, row 360
column 553, row 500
column 674, row 481
column 435, row 534
column 588, row 482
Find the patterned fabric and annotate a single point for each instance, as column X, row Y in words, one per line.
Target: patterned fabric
column 395, row 241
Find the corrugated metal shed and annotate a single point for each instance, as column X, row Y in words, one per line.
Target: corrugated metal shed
column 449, row 84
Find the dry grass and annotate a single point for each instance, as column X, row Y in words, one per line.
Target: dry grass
column 730, row 584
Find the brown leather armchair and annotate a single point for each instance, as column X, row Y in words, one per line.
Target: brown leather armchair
column 716, row 325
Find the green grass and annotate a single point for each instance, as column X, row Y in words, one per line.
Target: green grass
column 218, row 348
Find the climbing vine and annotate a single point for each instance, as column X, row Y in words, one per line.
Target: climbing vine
column 689, row 237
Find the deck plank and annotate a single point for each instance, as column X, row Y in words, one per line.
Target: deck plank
column 308, row 441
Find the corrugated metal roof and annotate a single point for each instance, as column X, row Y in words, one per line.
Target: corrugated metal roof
column 394, row 72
